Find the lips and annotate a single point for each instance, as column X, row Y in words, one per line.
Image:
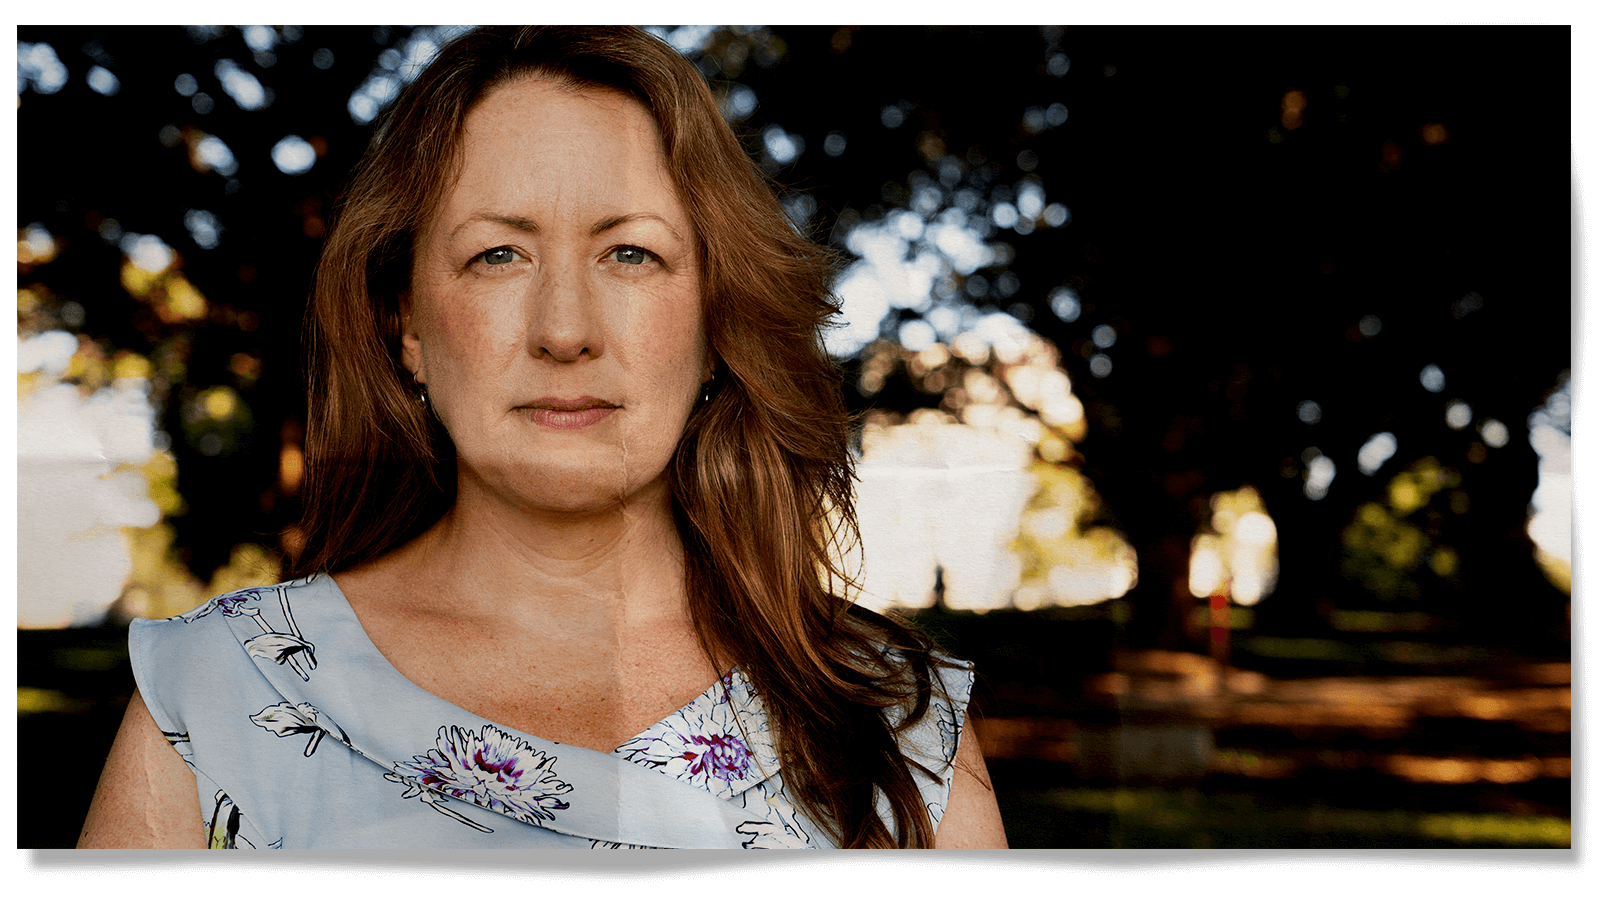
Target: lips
column 568, row 413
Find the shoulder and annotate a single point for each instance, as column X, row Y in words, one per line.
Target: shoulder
column 955, row 783
column 192, row 657
column 209, row 620
column 147, row 795
column 241, row 602
column 971, row 818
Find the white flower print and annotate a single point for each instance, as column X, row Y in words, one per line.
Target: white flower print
column 415, row 788
column 935, row 814
column 949, row 731
column 277, row 647
column 289, row 647
column 949, row 718
column 285, row 719
column 222, row 831
column 489, row 768
column 777, row 824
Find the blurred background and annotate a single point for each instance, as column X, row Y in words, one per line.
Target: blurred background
column 1214, row 383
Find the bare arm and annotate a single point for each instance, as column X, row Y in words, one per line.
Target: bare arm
column 971, row 817
column 147, row 797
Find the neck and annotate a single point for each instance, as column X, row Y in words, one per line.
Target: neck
column 615, row 566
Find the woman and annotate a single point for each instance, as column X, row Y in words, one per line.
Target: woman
column 574, row 453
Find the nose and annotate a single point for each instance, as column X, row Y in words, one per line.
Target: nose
column 566, row 321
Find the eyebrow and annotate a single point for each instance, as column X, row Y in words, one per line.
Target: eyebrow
column 522, row 223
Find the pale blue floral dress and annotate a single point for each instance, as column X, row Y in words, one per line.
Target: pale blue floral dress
column 302, row 735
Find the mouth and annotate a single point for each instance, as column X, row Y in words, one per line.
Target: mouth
column 568, row 413
column 563, row 404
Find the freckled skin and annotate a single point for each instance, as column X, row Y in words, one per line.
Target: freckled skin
column 561, row 265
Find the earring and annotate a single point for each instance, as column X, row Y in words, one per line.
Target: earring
column 422, row 396
column 705, row 392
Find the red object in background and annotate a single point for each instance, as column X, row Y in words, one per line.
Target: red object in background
column 1219, row 627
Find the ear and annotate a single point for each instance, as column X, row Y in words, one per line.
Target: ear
column 709, row 371
column 410, row 341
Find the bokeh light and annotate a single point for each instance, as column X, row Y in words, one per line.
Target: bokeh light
column 209, row 153
column 1237, row 553
column 1550, row 525
column 39, row 68
column 35, row 246
column 1375, row 452
column 1293, row 106
column 1467, row 305
column 1432, row 378
column 1319, row 474
column 102, row 82
column 204, row 229
column 1391, row 547
column 293, row 155
column 739, row 103
column 783, row 147
column 1065, row 305
column 244, row 88
column 1495, row 433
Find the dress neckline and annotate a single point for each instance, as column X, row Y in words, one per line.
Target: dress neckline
column 717, row 692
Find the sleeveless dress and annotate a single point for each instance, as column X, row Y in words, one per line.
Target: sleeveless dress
column 302, row 735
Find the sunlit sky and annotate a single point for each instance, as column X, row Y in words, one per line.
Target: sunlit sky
column 72, row 497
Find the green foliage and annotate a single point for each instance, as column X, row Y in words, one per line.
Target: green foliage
column 1394, row 549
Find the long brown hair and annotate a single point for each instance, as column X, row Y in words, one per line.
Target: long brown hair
column 761, row 476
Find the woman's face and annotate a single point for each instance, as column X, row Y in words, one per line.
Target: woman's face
column 554, row 311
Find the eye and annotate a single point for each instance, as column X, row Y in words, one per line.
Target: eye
column 498, row 256
column 632, row 256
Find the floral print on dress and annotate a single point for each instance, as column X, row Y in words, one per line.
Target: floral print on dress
column 234, row 604
column 222, row 830
column 778, row 825
column 949, row 731
column 284, row 719
column 489, row 768
column 276, row 646
column 719, row 742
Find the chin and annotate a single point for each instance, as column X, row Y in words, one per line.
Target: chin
column 576, row 490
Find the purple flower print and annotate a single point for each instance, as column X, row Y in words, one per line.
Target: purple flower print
column 721, row 756
column 238, row 603
column 719, row 745
column 488, row 768
column 290, row 647
column 719, row 741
